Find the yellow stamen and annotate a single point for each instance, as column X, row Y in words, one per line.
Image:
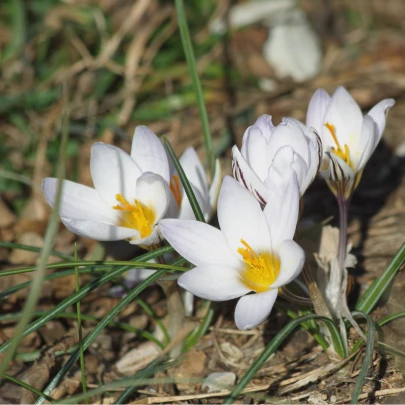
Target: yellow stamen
column 138, row 216
column 261, row 269
column 344, row 154
column 175, row 188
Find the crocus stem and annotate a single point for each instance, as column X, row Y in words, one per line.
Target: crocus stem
column 343, row 308
column 343, row 204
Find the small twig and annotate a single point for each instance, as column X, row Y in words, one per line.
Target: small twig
column 304, row 379
column 224, row 393
column 380, row 393
column 234, row 331
column 342, row 308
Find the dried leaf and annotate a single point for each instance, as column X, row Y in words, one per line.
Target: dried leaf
column 137, row 358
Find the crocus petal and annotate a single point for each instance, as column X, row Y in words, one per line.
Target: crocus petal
column 78, row 201
column 215, row 187
column 173, row 209
column 98, row 231
column 285, row 160
column 292, row 258
column 368, row 139
column 153, row 239
column 379, row 114
column 316, row 110
column 135, row 276
column 339, row 171
column 339, row 175
column 257, row 152
column 281, row 211
column 213, row 282
column 240, row 217
column 301, row 170
column 315, row 157
column 345, row 115
column 149, row 153
column 303, row 127
column 315, row 152
column 265, row 125
column 201, row 244
column 153, row 191
column 113, row 172
column 194, row 170
column 247, row 177
column 186, row 211
column 289, row 134
column 251, row 310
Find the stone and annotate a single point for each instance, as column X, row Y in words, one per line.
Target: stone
column 217, row 382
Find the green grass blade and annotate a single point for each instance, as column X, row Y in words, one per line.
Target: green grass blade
column 62, row 265
column 151, row 313
column 373, row 294
column 98, row 328
column 273, row 346
column 79, row 328
column 59, row 274
column 73, row 315
column 186, row 184
column 12, row 245
column 19, row 23
column 29, row 357
column 91, row 269
column 50, row 233
column 368, row 355
column 201, row 330
column 390, row 318
column 307, row 326
column 192, row 67
column 66, row 303
column 28, row 387
column 382, row 322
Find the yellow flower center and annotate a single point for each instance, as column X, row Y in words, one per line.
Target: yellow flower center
column 261, row 269
column 175, row 188
column 338, row 151
column 138, row 216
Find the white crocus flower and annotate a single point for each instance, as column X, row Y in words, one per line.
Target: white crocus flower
column 127, row 200
column 253, row 251
column 348, row 138
column 131, row 193
column 263, row 144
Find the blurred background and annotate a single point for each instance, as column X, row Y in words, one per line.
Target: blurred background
column 110, row 65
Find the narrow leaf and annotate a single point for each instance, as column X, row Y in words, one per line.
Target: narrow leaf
column 186, row 184
column 192, row 67
column 373, row 294
column 368, row 355
column 79, row 327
